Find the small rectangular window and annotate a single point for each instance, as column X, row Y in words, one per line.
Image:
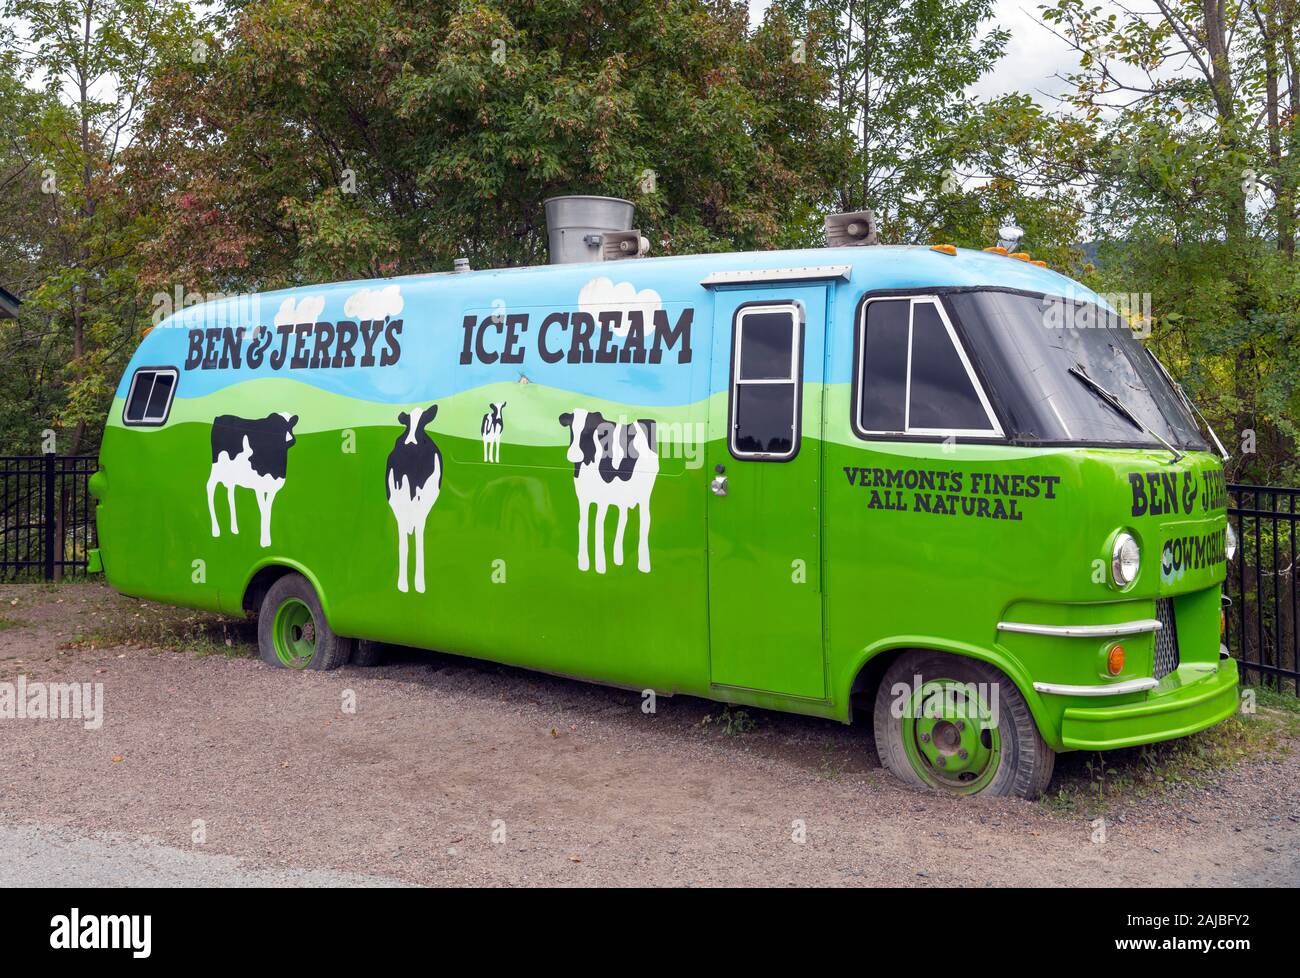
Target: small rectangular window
column 883, row 389
column 149, row 400
column 913, row 376
column 766, row 382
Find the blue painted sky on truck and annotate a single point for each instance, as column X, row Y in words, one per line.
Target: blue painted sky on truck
column 432, row 308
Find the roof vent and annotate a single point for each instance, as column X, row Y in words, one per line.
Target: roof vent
column 582, row 228
column 853, row 228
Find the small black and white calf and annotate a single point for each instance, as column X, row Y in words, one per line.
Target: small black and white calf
column 254, row 454
column 613, row 465
column 413, row 480
column 493, row 426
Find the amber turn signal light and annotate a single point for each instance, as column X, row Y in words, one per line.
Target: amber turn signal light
column 944, row 249
column 1115, row 660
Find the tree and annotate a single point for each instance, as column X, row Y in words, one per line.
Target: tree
column 1193, row 195
column 92, row 60
column 899, row 74
column 392, row 136
column 31, row 351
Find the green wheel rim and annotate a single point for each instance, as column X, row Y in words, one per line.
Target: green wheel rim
column 294, row 631
column 948, row 739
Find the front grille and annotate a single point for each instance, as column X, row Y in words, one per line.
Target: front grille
column 1166, row 639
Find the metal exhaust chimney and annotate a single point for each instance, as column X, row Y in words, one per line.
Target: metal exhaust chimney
column 583, row 228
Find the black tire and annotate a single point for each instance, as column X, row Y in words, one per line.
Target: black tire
column 302, row 629
column 367, row 653
column 1024, row 762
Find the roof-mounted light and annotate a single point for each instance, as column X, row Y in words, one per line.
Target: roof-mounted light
column 1009, row 235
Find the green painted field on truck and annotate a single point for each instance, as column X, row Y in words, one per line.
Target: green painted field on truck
column 818, row 464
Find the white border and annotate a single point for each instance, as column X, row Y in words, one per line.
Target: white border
column 145, row 421
column 795, row 379
column 995, row 429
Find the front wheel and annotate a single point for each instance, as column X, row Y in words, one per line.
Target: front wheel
column 959, row 726
column 292, row 632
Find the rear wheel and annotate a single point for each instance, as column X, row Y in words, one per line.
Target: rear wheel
column 959, row 726
column 292, row 632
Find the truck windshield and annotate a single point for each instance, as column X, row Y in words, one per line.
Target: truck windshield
column 1032, row 350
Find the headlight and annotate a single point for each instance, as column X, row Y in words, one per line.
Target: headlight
column 1230, row 545
column 1125, row 559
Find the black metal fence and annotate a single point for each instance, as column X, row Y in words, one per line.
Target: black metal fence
column 1261, row 584
column 47, row 516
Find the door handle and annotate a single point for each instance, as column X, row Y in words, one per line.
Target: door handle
column 719, row 485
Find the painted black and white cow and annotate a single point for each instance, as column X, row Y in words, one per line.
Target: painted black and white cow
column 413, row 480
column 613, row 465
column 493, row 426
column 253, row 453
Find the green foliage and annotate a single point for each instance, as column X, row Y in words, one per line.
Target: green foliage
column 70, row 91
column 391, row 137
column 1192, row 176
column 286, row 141
column 898, row 75
column 732, row 721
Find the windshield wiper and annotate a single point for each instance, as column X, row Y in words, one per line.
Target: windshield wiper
column 1120, row 409
column 1187, row 402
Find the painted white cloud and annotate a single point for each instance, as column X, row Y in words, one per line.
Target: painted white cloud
column 374, row 303
column 604, row 295
column 302, row 309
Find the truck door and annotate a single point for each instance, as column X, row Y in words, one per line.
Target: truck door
column 764, row 474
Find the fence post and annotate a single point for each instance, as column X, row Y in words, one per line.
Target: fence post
column 49, row 516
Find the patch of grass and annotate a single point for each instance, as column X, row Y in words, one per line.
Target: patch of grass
column 1273, row 700
column 7, row 623
column 1093, row 783
column 831, row 767
column 732, row 721
column 143, row 625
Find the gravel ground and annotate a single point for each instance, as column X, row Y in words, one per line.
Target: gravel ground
column 456, row 772
column 42, row 855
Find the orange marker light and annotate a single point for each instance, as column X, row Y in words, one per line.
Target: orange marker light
column 1115, row 660
column 146, row 331
column 998, row 250
column 1040, row 264
column 944, row 249
column 1022, row 255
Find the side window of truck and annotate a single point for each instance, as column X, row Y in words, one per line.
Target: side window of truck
column 766, row 381
column 913, row 377
column 149, row 400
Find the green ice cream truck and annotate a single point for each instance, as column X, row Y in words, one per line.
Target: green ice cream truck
column 948, row 489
